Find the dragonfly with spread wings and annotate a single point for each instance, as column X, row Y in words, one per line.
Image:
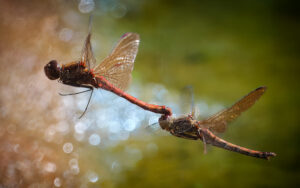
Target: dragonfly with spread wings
column 112, row 74
column 189, row 128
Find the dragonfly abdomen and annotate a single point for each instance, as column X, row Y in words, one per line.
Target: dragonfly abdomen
column 104, row 84
column 216, row 141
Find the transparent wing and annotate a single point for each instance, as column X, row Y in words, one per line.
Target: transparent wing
column 87, row 55
column 117, row 67
column 156, row 129
column 187, row 104
column 218, row 122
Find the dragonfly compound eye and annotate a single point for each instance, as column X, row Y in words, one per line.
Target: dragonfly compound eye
column 165, row 123
column 52, row 70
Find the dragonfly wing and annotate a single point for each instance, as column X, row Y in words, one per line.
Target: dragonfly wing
column 187, row 104
column 156, row 130
column 218, row 122
column 117, row 67
column 87, row 55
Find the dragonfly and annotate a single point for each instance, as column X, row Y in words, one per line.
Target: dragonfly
column 112, row 74
column 188, row 127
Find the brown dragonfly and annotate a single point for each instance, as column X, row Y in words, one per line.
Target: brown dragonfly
column 189, row 128
column 112, row 74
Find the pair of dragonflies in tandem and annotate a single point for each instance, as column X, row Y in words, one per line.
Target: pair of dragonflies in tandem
column 114, row 74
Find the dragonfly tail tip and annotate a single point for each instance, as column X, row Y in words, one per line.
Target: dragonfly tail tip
column 269, row 155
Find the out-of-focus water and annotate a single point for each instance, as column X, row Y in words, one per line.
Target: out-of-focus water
column 223, row 49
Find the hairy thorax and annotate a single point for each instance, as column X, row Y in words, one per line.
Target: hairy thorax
column 76, row 73
column 184, row 125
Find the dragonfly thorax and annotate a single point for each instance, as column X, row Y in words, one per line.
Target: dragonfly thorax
column 52, row 70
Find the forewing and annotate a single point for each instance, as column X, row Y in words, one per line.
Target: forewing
column 156, row 130
column 187, row 105
column 87, row 55
column 117, row 67
column 218, row 122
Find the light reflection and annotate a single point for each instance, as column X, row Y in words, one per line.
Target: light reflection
column 79, row 136
column 94, row 139
column 92, row 176
column 62, row 127
column 73, row 162
column 50, row 134
column 16, row 148
column 50, row 167
column 65, row 34
column 116, row 167
column 114, row 127
column 86, row 6
column 68, row 147
column 80, row 127
column 119, row 10
column 67, row 174
column 106, row 5
column 75, row 169
column 130, row 124
column 57, row 182
column 81, row 104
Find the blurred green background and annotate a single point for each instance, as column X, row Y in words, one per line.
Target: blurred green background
column 224, row 49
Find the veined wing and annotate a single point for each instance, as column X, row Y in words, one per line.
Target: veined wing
column 87, row 55
column 187, row 104
column 117, row 67
column 155, row 129
column 218, row 122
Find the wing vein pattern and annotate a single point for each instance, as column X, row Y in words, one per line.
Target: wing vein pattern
column 218, row 122
column 117, row 67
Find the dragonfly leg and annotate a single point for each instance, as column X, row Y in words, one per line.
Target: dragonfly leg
column 76, row 85
column 90, row 88
column 87, row 104
column 67, row 94
column 201, row 135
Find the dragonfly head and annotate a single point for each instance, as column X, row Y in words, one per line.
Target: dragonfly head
column 165, row 122
column 52, row 70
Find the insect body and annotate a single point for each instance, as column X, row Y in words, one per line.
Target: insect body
column 112, row 74
column 189, row 128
